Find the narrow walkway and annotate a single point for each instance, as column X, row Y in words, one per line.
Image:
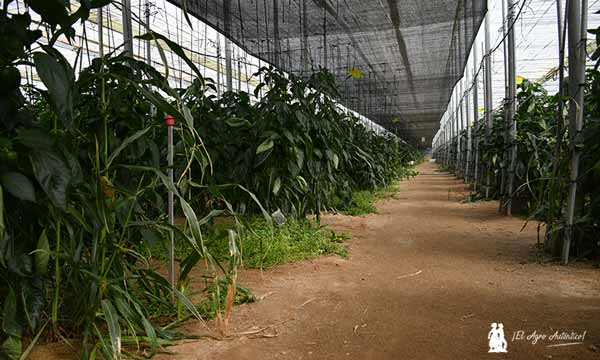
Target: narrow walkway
column 425, row 278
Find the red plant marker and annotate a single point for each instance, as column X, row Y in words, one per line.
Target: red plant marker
column 169, row 120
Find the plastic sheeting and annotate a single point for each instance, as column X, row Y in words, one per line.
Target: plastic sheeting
column 406, row 55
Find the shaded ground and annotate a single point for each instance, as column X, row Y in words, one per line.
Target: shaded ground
column 424, row 280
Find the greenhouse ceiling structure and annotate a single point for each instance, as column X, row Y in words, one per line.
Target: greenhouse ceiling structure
column 397, row 60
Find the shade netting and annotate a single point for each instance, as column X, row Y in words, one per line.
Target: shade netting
column 406, row 55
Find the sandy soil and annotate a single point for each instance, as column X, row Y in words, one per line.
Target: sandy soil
column 424, row 280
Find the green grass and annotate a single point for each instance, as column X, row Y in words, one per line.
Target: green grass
column 262, row 245
column 389, row 192
column 363, row 202
column 294, row 241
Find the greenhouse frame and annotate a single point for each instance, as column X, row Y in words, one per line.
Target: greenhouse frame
column 153, row 153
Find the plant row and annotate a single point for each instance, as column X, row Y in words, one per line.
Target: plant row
column 84, row 181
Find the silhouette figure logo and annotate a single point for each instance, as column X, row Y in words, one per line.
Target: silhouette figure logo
column 496, row 340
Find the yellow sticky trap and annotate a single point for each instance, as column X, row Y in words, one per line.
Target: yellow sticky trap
column 356, row 73
column 520, row 79
column 481, row 110
column 395, row 120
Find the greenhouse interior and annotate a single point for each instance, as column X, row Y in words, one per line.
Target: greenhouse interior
column 300, row 179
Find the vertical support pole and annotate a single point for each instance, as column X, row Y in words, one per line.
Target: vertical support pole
column 468, row 119
column 578, row 10
column 512, row 107
column 227, row 28
column 450, row 112
column 447, row 140
column 454, row 132
column 127, row 30
column 305, row 50
column 325, row 37
column 170, row 122
column 228, row 65
column 218, row 65
column 101, row 31
column 488, row 100
column 148, row 29
column 552, row 239
column 503, row 167
column 277, row 58
column 475, row 117
column 443, row 140
column 456, row 146
column 461, row 128
column 239, row 70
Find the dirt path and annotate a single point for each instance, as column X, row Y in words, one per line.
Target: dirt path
column 425, row 278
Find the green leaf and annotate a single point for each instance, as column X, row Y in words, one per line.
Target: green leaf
column 173, row 46
column 83, row 12
column 299, row 157
column 266, row 145
column 52, row 174
column 266, row 215
column 151, row 334
column 114, row 329
column 58, row 77
column 10, row 316
column 184, row 7
column 211, row 214
column 33, row 300
column 236, row 122
column 156, row 99
column 52, row 12
column 192, row 220
column 596, row 54
column 42, row 254
column 151, row 236
column 36, row 139
column 276, row 186
column 95, row 4
column 18, row 185
column 11, row 347
column 233, row 249
column 138, row 134
column 257, row 89
column 302, row 182
column 289, row 136
column 189, row 118
column 188, row 304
